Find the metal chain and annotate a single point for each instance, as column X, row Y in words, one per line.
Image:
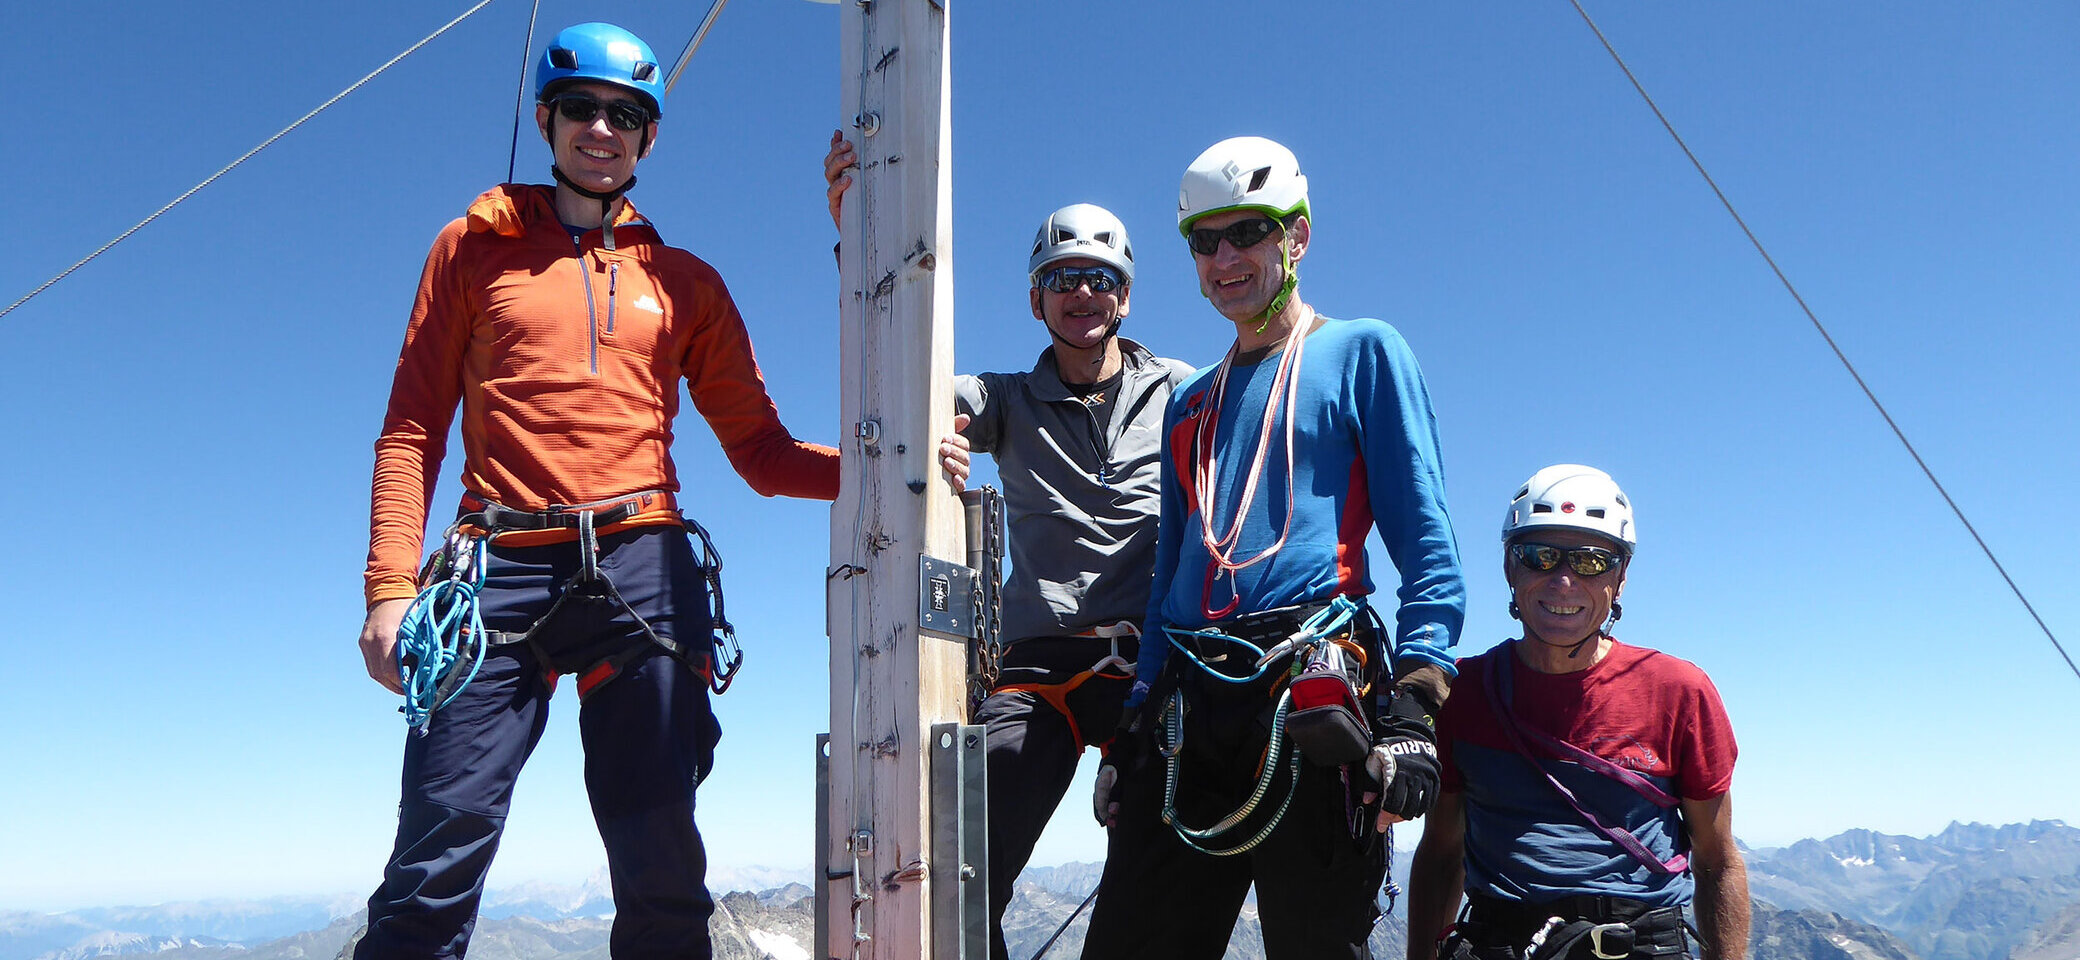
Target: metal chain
column 988, row 648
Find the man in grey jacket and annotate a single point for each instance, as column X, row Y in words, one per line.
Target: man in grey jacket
column 1078, row 442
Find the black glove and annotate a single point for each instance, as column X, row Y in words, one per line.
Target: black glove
column 1404, row 757
column 1124, row 753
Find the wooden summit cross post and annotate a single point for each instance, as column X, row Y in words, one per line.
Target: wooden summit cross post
column 902, row 870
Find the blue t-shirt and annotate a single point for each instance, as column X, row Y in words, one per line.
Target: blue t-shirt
column 1365, row 455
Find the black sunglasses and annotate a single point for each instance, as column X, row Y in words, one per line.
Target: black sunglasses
column 1102, row 279
column 1585, row 561
column 622, row 114
column 1242, row 234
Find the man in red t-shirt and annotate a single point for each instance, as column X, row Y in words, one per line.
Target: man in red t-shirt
column 1585, row 781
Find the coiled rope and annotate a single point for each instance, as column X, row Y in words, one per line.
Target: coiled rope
column 442, row 623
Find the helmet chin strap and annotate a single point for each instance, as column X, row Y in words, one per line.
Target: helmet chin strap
column 1111, row 331
column 1285, row 289
column 606, row 201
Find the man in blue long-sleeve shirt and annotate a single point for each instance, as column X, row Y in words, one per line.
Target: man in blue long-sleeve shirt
column 1274, row 710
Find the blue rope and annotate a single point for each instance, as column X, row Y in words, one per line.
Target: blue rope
column 1325, row 621
column 442, row 618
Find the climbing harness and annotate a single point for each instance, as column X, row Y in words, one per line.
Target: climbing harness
column 443, row 640
column 1330, row 627
column 1314, row 630
column 1112, row 666
column 1206, row 469
column 1570, row 928
column 442, row 634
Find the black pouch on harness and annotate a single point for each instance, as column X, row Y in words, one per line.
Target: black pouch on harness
column 1326, row 720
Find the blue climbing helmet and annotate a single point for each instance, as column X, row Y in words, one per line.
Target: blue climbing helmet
column 605, row 53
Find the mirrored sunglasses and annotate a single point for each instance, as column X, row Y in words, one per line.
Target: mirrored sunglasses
column 1584, row 561
column 1102, row 279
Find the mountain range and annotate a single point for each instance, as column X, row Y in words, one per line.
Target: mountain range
column 1971, row 892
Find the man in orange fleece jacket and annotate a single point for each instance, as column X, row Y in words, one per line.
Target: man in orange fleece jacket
column 562, row 325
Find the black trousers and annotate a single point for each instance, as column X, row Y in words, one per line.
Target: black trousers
column 1034, row 745
column 1317, row 875
column 649, row 737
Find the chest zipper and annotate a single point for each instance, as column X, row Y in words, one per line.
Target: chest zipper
column 591, row 316
column 1102, row 441
column 613, row 280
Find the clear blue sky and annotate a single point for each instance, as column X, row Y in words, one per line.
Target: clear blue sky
column 189, row 419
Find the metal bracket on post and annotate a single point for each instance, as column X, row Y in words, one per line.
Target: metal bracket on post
column 945, row 596
column 960, row 843
column 823, row 880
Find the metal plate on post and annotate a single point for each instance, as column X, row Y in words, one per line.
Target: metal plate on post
column 960, row 843
column 945, row 596
column 822, row 940
column 974, row 816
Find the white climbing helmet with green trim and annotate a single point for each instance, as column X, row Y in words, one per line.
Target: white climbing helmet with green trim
column 1242, row 173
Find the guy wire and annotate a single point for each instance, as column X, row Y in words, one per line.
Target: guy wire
column 1831, row 345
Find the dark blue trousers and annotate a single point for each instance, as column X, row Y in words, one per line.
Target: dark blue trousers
column 649, row 738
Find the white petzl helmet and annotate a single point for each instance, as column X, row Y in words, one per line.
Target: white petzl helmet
column 1570, row 496
column 1242, row 173
column 1081, row 230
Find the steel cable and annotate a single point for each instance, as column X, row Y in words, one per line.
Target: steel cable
column 1831, row 345
column 264, row 144
column 520, row 96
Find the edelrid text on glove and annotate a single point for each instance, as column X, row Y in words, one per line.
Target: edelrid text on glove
column 1404, row 757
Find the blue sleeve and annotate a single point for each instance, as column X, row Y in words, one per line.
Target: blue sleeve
column 1170, row 532
column 1405, row 476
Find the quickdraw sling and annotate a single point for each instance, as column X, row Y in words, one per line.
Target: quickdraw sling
column 1318, row 639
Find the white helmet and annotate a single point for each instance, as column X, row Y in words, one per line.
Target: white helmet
column 1242, row 173
column 1082, row 230
column 1570, row 496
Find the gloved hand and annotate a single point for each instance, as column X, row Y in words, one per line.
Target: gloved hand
column 1404, row 759
column 1123, row 753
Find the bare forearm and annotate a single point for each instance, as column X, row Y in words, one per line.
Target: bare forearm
column 1435, row 884
column 1722, row 909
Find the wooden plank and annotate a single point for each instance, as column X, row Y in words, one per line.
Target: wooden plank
column 890, row 680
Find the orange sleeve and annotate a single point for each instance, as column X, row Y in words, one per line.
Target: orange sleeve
column 722, row 376
column 423, row 395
